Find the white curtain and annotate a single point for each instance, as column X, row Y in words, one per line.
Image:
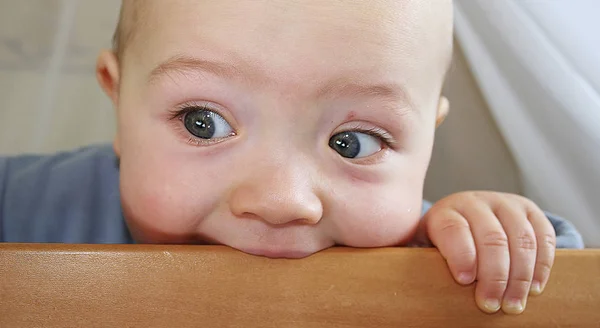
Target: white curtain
column 538, row 65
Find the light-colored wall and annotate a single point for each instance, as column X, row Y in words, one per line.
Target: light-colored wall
column 469, row 152
column 49, row 98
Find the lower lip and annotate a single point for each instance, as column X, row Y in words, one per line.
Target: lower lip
column 277, row 254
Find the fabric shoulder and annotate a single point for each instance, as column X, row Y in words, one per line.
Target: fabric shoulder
column 567, row 235
column 67, row 197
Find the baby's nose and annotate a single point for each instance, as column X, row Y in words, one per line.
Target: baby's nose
column 277, row 196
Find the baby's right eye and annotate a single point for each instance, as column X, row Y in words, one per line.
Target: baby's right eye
column 206, row 124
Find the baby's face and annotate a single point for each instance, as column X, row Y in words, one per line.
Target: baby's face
column 280, row 128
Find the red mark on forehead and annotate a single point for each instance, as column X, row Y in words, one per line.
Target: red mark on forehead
column 351, row 116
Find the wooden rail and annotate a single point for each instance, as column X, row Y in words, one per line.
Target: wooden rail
column 200, row 286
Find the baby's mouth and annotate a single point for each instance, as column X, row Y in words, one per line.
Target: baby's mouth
column 276, row 253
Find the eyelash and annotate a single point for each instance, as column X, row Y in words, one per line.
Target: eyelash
column 180, row 111
column 379, row 133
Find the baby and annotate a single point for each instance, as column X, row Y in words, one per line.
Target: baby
column 279, row 128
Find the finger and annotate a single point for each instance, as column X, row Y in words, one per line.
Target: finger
column 546, row 248
column 523, row 248
column 449, row 231
column 493, row 258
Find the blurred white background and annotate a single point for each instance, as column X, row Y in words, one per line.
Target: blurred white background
column 49, row 99
column 524, row 89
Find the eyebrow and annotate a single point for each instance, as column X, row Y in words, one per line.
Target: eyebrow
column 392, row 92
column 337, row 88
column 185, row 65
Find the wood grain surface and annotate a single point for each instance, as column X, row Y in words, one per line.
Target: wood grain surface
column 200, row 286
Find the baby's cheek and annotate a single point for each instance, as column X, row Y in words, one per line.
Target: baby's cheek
column 161, row 208
column 372, row 222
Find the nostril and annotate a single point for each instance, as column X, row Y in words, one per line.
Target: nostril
column 308, row 221
column 278, row 221
column 248, row 215
column 302, row 222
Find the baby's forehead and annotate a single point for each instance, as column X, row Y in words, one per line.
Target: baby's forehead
column 294, row 48
column 137, row 15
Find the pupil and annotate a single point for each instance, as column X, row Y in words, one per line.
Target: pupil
column 200, row 123
column 345, row 144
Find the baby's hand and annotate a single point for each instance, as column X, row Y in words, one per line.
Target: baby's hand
column 503, row 241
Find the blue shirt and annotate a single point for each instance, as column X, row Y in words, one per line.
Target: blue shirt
column 73, row 197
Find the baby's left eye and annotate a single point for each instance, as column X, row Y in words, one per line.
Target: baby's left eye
column 353, row 144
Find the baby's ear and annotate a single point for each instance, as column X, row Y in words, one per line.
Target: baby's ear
column 442, row 112
column 108, row 75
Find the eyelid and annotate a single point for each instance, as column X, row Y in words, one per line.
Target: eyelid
column 370, row 129
column 186, row 107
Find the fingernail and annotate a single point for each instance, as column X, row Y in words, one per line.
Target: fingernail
column 491, row 305
column 513, row 306
column 465, row 278
column 536, row 288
